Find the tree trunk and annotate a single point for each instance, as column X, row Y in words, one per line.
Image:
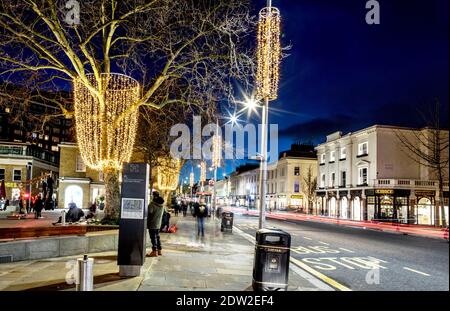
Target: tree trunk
column 443, row 222
column 112, row 197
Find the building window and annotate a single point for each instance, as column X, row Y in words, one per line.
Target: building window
column 332, row 156
column 343, row 179
column 80, row 166
column 363, row 149
column 322, row 181
column 55, row 139
column 343, row 153
column 332, row 180
column 2, row 174
column 55, row 148
column 297, row 171
column 17, row 175
column 362, row 176
column 296, row 186
column 322, row 158
column 46, row 137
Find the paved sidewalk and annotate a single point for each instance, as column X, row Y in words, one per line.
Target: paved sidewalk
column 419, row 230
column 218, row 262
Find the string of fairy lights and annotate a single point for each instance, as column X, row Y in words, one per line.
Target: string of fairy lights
column 103, row 142
column 268, row 53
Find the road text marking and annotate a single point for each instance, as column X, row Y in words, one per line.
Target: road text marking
column 412, row 270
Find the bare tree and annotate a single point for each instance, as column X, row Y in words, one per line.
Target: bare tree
column 429, row 147
column 183, row 52
column 310, row 183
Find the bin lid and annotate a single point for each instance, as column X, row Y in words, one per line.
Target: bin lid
column 272, row 231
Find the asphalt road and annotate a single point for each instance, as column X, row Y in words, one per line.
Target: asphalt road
column 363, row 260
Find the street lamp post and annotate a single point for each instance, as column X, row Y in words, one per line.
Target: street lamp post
column 268, row 57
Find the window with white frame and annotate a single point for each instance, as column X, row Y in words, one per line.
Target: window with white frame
column 322, row 181
column 343, row 153
column 343, row 178
column 362, row 176
column 322, row 158
column 363, row 148
column 332, row 180
column 80, row 165
column 332, row 156
column 17, row 175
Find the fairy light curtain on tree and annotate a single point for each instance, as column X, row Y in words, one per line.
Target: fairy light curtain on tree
column 104, row 142
column 268, row 53
column 168, row 173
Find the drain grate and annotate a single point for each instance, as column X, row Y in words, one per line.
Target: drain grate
column 6, row 258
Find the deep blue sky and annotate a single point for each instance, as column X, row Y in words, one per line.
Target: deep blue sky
column 343, row 74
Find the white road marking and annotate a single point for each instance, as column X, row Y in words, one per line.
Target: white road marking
column 345, row 250
column 323, row 243
column 412, row 270
column 307, row 238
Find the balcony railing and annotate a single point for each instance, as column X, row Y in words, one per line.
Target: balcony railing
column 410, row 183
column 29, row 150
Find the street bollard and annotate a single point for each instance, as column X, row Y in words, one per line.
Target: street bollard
column 63, row 217
column 85, row 279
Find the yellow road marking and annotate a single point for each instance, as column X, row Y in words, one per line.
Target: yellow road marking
column 412, row 270
column 319, row 275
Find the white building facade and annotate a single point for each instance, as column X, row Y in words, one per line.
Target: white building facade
column 367, row 175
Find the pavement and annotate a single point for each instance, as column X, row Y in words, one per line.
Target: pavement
column 419, row 230
column 218, row 262
column 358, row 259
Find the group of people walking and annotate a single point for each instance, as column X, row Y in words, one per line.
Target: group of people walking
column 158, row 218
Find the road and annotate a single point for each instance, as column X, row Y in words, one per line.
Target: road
column 356, row 259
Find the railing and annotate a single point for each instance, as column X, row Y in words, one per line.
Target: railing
column 30, row 150
column 408, row 183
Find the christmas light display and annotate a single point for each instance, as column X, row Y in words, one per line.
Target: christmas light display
column 268, row 53
column 104, row 142
column 203, row 172
column 217, row 151
column 168, row 173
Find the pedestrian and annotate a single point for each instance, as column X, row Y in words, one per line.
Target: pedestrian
column 176, row 208
column 154, row 219
column 6, row 204
column 184, row 207
column 92, row 211
column 200, row 212
column 37, row 207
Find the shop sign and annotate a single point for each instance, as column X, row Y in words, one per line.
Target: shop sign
column 12, row 185
column 296, row 196
column 425, row 193
column 282, row 196
column 384, row 191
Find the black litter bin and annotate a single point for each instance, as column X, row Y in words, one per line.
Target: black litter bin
column 271, row 264
column 227, row 221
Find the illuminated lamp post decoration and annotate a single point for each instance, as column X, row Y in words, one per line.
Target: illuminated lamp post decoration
column 106, row 141
column 216, row 158
column 267, row 78
column 168, row 172
column 202, row 173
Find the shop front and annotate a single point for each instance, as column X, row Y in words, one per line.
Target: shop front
column 424, row 210
column 296, row 202
column 344, row 205
column 282, row 202
column 388, row 205
column 357, row 209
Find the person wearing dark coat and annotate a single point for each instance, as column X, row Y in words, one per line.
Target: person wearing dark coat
column 37, row 207
column 74, row 214
column 200, row 212
column 154, row 219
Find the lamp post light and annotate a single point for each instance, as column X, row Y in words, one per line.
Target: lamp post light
column 268, row 61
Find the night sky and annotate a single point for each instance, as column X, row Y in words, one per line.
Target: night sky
column 343, row 74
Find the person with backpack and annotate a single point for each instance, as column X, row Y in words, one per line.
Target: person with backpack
column 200, row 212
column 154, row 219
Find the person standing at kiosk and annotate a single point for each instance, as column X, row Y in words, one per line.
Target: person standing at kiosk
column 155, row 214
